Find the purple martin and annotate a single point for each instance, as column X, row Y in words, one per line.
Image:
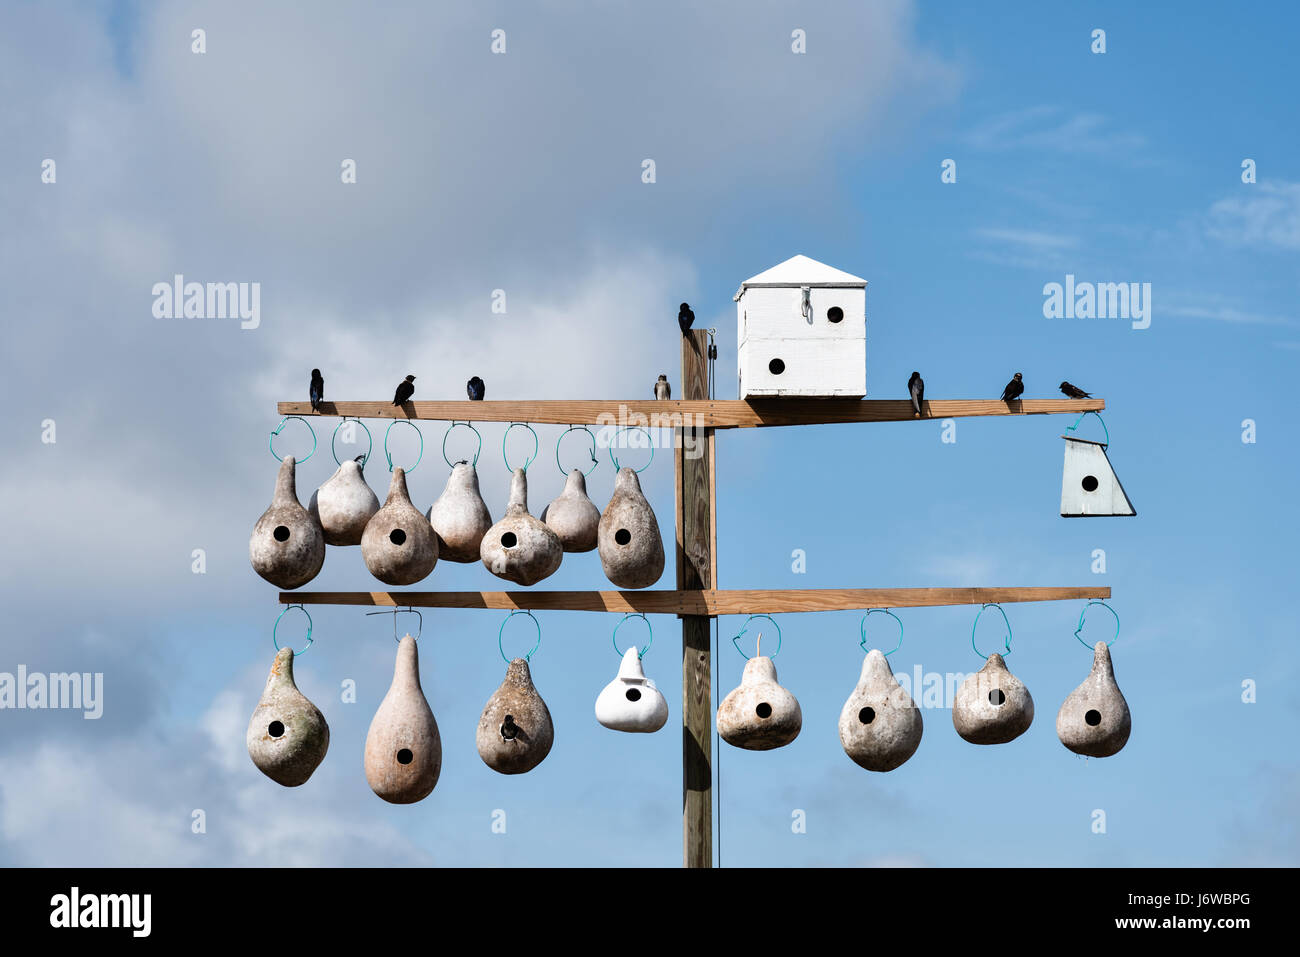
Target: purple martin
column 685, row 318
column 1014, row 389
column 1074, row 392
column 662, row 389
column 916, row 388
column 475, row 389
column 405, row 389
column 317, row 389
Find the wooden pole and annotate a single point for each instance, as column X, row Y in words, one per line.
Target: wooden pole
column 695, row 570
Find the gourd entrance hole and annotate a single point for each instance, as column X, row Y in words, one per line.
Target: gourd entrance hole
column 867, row 715
column 1090, row 483
column 633, row 694
column 281, row 533
column 405, row 756
column 275, row 729
column 776, row 367
column 1093, row 717
column 622, row 536
column 508, row 540
column 996, row 697
column 397, row 536
column 764, row 710
column 834, row 314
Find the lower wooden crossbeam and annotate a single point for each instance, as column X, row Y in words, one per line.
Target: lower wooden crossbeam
column 706, row 602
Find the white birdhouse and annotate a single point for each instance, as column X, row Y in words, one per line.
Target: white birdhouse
column 802, row 331
column 1089, row 485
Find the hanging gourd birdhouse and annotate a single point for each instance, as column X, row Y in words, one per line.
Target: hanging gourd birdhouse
column 344, row 505
column 287, row 735
column 1089, row 486
column 460, row 517
column 398, row 544
column 992, row 706
column 287, row 546
column 631, row 549
column 1094, row 719
column 403, row 755
column 519, row 548
column 631, row 702
column 573, row 516
column 759, row 715
column 802, row 331
column 514, row 731
column 880, row 725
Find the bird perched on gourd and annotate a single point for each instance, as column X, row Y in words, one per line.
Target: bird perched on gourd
column 1015, row 388
column 685, row 318
column 916, row 389
column 475, row 389
column 316, row 391
column 1074, row 392
column 405, row 389
column 662, row 389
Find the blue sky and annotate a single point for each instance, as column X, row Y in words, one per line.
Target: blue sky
column 522, row 172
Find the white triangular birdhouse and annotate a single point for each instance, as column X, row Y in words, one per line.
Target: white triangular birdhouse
column 802, row 331
column 1089, row 485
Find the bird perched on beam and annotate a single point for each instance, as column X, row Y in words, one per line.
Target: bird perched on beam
column 662, row 389
column 1015, row 388
column 405, row 389
column 475, row 389
column 316, row 391
column 1074, row 392
column 916, row 389
column 685, row 318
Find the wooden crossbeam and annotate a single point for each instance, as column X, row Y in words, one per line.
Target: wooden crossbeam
column 709, row 602
column 703, row 413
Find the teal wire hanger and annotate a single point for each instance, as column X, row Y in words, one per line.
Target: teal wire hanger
column 613, row 458
column 505, row 458
column 1105, row 444
column 271, row 442
column 470, row 426
column 649, row 641
column 388, row 455
column 501, row 631
column 862, row 629
column 577, row 428
column 1084, row 612
column 370, row 439
column 275, row 640
column 1006, row 643
column 758, row 649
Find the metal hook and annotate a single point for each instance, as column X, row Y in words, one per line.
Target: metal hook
column 501, row 630
column 1006, row 643
column 370, row 448
column 640, row 654
column 1085, row 611
column 395, row 612
column 735, row 641
column 271, row 442
column 862, row 628
column 276, row 628
column 628, row 428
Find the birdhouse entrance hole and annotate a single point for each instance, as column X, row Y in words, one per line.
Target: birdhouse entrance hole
column 1093, row 718
column 776, row 367
column 764, row 710
column 622, row 536
column 835, row 314
column 633, row 694
column 397, row 536
column 867, row 715
column 508, row 540
column 281, row 533
column 1089, row 483
column 275, row 729
column 405, row 756
column 996, row 697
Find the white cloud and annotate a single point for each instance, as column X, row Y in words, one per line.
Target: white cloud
column 1264, row 215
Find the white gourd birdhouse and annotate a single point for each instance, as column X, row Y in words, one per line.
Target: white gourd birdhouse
column 802, row 331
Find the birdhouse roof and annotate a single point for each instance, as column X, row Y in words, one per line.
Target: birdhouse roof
column 800, row 271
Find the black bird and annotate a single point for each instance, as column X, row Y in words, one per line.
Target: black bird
column 509, row 730
column 916, row 388
column 1074, row 392
column 475, row 389
column 405, row 389
column 361, row 460
column 685, row 318
column 317, row 390
column 662, row 389
column 1014, row 388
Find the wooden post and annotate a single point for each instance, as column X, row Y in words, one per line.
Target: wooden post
column 695, row 569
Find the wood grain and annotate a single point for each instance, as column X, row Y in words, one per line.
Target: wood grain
column 710, row 413
column 708, row 602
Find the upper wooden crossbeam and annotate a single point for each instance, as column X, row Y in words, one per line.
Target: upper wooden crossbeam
column 675, row 413
column 705, row 602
